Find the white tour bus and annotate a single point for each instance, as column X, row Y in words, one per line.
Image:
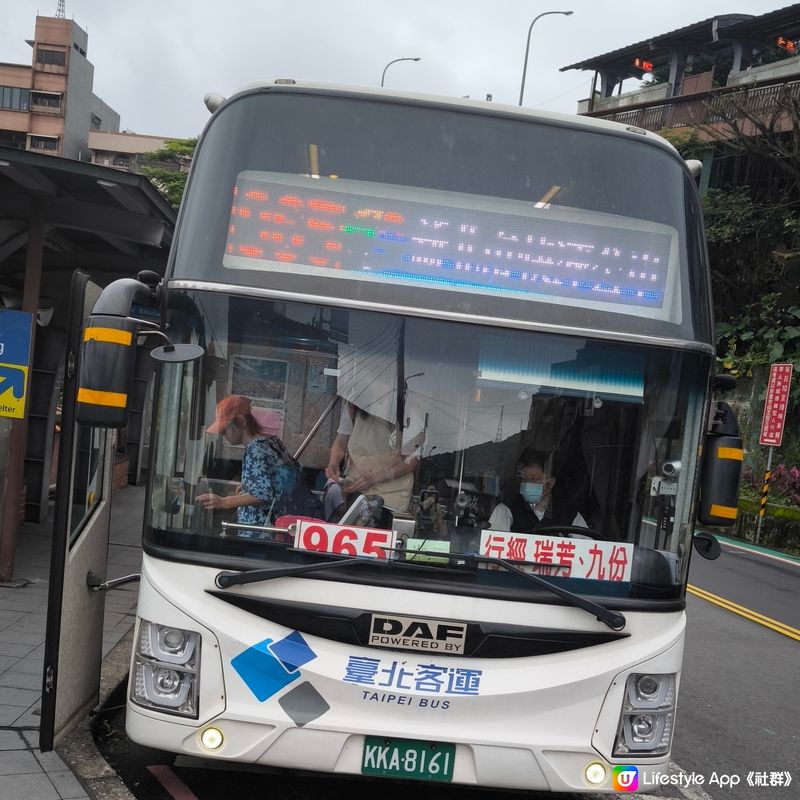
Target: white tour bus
column 431, row 433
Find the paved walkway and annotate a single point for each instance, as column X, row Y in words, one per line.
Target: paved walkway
column 25, row 772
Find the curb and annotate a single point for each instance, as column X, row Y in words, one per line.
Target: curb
column 753, row 547
column 78, row 749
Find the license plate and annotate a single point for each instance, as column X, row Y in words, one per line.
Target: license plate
column 407, row 758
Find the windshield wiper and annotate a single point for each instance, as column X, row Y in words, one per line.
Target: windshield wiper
column 613, row 619
column 225, row 579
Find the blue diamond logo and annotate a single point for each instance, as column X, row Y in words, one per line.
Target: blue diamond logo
column 293, row 651
column 268, row 667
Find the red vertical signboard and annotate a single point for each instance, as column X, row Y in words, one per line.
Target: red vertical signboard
column 775, row 404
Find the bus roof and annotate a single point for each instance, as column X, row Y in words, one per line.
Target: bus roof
column 500, row 109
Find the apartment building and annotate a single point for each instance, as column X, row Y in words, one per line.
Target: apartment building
column 126, row 150
column 49, row 105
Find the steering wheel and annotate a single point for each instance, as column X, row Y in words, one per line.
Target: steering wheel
column 567, row 530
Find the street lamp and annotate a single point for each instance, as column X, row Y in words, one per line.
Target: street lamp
column 528, row 47
column 383, row 75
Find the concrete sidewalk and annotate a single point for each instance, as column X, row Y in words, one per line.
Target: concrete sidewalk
column 25, row 772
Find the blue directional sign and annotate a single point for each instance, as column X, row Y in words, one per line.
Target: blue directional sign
column 15, row 354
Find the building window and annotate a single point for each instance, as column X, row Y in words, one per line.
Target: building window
column 12, row 139
column 122, row 161
column 44, row 143
column 46, row 100
column 57, row 58
column 14, row 99
column 96, row 122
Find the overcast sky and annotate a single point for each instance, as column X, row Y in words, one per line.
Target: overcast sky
column 154, row 60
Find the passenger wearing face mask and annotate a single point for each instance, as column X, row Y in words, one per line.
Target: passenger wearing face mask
column 531, row 505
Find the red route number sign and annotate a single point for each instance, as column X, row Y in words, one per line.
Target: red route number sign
column 775, row 404
column 344, row 541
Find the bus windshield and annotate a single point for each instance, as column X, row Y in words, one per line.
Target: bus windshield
column 563, row 454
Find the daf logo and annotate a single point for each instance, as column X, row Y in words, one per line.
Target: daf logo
column 409, row 633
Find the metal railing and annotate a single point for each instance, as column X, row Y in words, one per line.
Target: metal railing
column 46, row 108
column 705, row 108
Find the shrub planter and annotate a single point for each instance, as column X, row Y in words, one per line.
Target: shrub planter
column 779, row 530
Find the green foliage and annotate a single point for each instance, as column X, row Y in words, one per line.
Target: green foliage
column 752, row 504
column 720, row 63
column 731, row 216
column 685, row 141
column 168, row 168
column 764, row 333
column 170, row 183
column 743, row 236
column 174, row 150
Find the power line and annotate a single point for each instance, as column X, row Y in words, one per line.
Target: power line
column 544, row 102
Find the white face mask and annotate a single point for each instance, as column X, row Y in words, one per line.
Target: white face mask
column 531, row 492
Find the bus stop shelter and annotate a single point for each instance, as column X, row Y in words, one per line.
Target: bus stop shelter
column 58, row 215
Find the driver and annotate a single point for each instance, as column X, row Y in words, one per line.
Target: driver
column 533, row 504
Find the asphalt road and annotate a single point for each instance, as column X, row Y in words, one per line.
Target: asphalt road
column 739, row 705
column 738, row 711
column 763, row 584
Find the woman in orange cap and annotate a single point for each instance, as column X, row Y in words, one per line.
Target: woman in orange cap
column 264, row 472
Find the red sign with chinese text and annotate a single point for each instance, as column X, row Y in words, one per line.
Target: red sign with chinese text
column 775, row 404
column 560, row 557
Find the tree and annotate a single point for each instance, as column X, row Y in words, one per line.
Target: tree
column 753, row 230
column 762, row 124
column 168, row 168
column 749, row 245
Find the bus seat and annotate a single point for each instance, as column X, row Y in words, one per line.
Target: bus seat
column 653, row 567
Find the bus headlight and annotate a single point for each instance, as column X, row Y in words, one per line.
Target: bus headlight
column 165, row 667
column 648, row 716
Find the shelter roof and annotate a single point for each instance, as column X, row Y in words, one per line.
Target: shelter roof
column 107, row 222
column 781, row 22
column 699, row 37
column 658, row 49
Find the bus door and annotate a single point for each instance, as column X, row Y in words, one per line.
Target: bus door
column 74, row 637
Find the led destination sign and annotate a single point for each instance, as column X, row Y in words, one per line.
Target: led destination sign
column 546, row 253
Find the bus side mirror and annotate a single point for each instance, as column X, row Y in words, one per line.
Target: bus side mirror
column 106, row 368
column 706, row 545
column 177, row 353
column 108, row 354
column 722, row 469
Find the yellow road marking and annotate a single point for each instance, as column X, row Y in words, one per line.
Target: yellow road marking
column 754, row 616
